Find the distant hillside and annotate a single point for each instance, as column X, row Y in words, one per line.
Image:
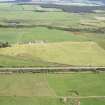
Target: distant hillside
column 98, row 2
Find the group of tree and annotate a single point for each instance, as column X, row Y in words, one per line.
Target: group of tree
column 4, row 44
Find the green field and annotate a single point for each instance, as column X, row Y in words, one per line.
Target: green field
column 86, row 84
column 41, row 39
column 75, row 53
column 44, row 101
column 37, row 34
column 24, row 61
column 15, row 13
column 42, row 89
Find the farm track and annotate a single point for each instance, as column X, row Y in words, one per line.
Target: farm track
column 52, row 69
column 83, row 97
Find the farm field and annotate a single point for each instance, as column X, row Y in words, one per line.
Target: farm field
column 43, row 89
column 33, row 35
column 75, row 53
column 16, row 61
column 82, row 83
column 44, row 101
column 27, row 35
column 51, row 39
column 77, row 23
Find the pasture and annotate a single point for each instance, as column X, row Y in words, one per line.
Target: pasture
column 25, row 35
column 24, row 61
column 75, row 53
column 13, row 13
column 44, row 101
column 35, row 45
column 43, row 89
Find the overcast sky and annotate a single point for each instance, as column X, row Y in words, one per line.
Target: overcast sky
column 68, row 0
column 7, row 0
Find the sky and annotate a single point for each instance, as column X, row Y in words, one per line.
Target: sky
column 67, row 0
column 7, row 0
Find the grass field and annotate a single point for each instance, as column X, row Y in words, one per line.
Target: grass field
column 42, row 89
column 12, row 13
column 29, row 101
column 25, row 85
column 44, row 101
column 37, row 34
column 52, row 84
column 24, row 61
column 75, row 53
column 85, row 84
column 40, row 47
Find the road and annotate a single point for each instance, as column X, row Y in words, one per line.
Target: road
column 53, row 69
column 83, row 97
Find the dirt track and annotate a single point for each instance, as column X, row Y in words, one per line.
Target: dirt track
column 84, row 97
column 52, row 69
